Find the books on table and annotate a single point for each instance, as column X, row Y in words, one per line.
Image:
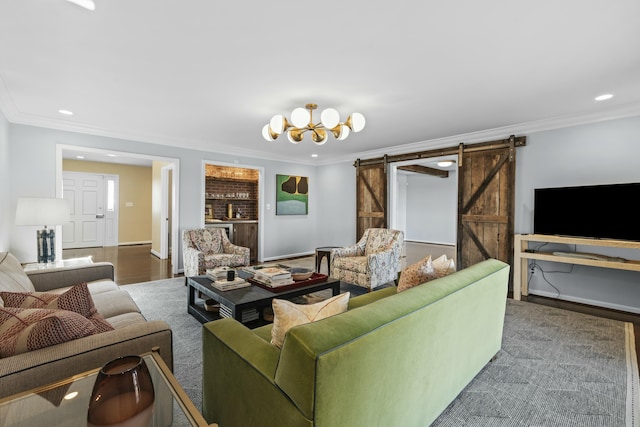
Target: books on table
column 227, row 285
column 274, row 276
column 218, row 273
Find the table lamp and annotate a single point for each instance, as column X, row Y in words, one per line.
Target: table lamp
column 44, row 212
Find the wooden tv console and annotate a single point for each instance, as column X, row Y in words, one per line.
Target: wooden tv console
column 522, row 254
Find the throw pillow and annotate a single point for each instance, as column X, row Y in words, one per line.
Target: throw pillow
column 26, row 329
column 77, row 299
column 444, row 266
column 416, row 274
column 286, row 314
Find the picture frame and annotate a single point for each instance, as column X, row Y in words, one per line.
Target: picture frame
column 292, row 195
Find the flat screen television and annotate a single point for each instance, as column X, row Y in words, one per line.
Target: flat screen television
column 595, row 211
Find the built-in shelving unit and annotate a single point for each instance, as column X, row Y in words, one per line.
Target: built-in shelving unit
column 523, row 253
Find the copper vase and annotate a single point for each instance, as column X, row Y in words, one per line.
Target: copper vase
column 122, row 395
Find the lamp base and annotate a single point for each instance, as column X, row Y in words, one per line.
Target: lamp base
column 46, row 245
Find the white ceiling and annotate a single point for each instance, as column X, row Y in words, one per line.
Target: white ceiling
column 209, row 74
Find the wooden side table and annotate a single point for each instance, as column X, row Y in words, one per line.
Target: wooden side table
column 321, row 252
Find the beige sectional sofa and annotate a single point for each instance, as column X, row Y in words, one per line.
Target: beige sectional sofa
column 132, row 333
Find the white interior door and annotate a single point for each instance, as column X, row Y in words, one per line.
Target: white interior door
column 85, row 193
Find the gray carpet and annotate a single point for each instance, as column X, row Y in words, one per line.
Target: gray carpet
column 556, row 367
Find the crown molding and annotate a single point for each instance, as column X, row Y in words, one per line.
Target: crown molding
column 526, row 128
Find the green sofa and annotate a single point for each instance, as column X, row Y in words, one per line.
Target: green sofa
column 393, row 359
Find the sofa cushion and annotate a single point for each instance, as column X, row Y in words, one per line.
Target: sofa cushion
column 378, row 240
column 76, row 299
column 12, row 275
column 26, row 329
column 357, row 264
column 206, row 241
column 286, row 314
column 416, row 274
column 115, row 303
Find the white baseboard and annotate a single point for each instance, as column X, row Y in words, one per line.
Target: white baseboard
column 570, row 298
column 146, row 242
column 156, row 254
column 301, row 254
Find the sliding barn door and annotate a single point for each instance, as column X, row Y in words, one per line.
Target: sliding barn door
column 371, row 195
column 486, row 194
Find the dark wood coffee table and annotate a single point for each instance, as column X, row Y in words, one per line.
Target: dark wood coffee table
column 238, row 301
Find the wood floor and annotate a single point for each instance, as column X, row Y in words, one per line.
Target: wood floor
column 135, row 264
column 132, row 264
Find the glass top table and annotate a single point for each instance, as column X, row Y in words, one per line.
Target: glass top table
column 65, row 403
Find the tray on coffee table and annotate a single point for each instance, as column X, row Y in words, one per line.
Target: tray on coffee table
column 315, row 278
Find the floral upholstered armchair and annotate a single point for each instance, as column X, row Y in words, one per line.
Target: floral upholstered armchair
column 205, row 248
column 373, row 261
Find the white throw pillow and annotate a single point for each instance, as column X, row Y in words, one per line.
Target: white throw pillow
column 286, row 314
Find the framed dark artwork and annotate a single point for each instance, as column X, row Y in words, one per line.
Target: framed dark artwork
column 292, row 195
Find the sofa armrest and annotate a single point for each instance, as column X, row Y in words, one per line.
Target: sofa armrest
column 191, row 258
column 234, row 361
column 230, row 248
column 53, row 278
column 353, row 250
column 41, row 367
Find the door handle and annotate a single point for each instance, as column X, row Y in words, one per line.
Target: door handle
column 100, row 216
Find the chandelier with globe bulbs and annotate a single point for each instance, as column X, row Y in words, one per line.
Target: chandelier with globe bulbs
column 302, row 121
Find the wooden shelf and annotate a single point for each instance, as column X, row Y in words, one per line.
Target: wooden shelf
column 522, row 254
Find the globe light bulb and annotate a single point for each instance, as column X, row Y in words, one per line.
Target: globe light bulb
column 357, row 122
column 330, row 118
column 277, row 124
column 300, row 117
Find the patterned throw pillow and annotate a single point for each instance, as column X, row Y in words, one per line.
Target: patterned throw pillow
column 444, row 266
column 416, row 274
column 26, row 329
column 286, row 314
column 77, row 299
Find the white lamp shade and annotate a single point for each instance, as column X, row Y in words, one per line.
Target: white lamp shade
column 300, row 117
column 277, row 123
column 330, row 118
column 42, row 211
column 357, row 122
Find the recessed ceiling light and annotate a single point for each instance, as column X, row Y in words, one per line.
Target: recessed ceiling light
column 66, row 112
column 314, row 155
column 445, row 163
column 87, row 4
column 111, row 155
column 604, row 97
column 79, row 157
column 71, row 395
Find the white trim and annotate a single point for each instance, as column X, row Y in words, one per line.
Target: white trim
column 281, row 257
column 595, row 303
column 156, row 254
column 142, row 242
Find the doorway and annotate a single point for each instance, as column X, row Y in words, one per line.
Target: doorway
column 423, row 203
column 125, row 158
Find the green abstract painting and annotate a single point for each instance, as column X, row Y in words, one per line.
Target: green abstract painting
column 292, row 195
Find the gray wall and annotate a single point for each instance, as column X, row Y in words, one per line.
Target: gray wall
column 598, row 153
column 5, row 185
column 32, row 151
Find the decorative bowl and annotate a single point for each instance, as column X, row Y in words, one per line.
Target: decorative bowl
column 298, row 274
